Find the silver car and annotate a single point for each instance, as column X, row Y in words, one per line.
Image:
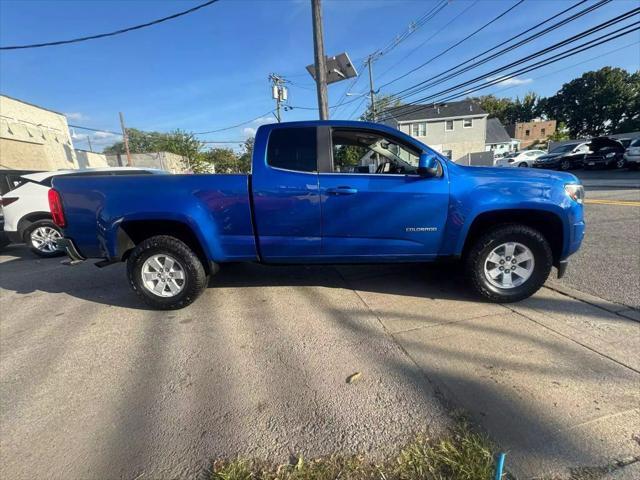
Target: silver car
column 632, row 155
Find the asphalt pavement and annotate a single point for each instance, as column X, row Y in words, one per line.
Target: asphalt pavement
column 608, row 263
column 96, row 386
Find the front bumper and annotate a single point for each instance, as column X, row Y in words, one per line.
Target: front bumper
column 72, row 252
column 548, row 165
column 631, row 158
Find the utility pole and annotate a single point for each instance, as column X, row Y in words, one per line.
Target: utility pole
column 126, row 140
column 371, row 90
column 278, row 92
column 89, row 140
column 320, row 60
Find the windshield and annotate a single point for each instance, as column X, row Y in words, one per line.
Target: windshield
column 564, row 148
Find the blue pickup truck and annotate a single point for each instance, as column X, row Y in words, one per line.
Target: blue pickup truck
column 325, row 192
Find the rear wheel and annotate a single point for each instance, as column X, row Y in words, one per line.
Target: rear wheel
column 165, row 273
column 42, row 237
column 523, row 165
column 509, row 263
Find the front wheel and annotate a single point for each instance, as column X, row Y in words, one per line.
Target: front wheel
column 523, row 165
column 620, row 163
column 165, row 273
column 509, row 263
column 565, row 165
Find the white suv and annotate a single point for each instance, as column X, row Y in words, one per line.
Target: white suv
column 26, row 208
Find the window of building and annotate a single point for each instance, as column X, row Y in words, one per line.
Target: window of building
column 447, row 153
column 365, row 151
column 418, row 129
column 526, row 133
column 542, row 131
column 293, row 149
column 467, row 123
column 448, row 125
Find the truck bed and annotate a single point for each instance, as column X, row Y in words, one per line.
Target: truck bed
column 215, row 207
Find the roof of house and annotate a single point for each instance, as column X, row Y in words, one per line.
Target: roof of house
column 463, row 108
column 496, row 133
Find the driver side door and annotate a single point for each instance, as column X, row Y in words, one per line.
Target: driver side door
column 369, row 216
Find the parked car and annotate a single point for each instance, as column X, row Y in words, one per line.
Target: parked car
column 411, row 204
column 9, row 180
column 606, row 152
column 568, row 156
column 632, row 154
column 524, row 158
column 26, row 209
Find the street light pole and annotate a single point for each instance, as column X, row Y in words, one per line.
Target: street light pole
column 320, row 60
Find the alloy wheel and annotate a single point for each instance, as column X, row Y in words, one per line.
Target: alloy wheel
column 163, row 275
column 509, row 265
column 45, row 239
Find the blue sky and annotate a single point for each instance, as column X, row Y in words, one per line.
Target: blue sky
column 208, row 70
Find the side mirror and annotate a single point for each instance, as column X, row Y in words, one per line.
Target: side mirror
column 427, row 165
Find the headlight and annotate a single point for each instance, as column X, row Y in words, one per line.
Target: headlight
column 609, row 155
column 575, row 192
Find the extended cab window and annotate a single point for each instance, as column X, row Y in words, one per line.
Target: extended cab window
column 293, row 149
column 366, row 151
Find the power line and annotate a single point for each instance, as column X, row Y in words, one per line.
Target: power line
column 95, row 130
column 413, row 27
column 457, row 70
column 535, row 66
column 539, row 53
column 428, row 39
column 234, row 126
column 454, row 45
column 111, row 34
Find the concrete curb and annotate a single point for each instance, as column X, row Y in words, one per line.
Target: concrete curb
column 611, row 307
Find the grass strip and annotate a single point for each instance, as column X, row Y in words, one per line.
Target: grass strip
column 463, row 455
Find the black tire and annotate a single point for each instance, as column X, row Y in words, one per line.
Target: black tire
column 483, row 246
column 195, row 277
column 4, row 241
column 632, row 165
column 620, row 164
column 523, row 165
column 565, row 165
column 30, row 241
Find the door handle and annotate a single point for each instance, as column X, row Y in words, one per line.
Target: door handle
column 341, row 191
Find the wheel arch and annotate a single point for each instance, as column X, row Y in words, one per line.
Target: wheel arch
column 549, row 224
column 132, row 232
column 31, row 218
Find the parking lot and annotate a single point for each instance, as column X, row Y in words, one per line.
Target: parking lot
column 96, row 386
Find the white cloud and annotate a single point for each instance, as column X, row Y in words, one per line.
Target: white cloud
column 515, row 81
column 75, row 116
column 249, row 132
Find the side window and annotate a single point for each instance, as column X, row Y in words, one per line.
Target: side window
column 448, row 125
column 293, row 149
column 366, row 151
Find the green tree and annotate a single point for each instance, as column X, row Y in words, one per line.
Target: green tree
column 500, row 108
column 223, row 160
column 384, row 103
column 178, row 141
column 244, row 161
column 510, row 111
column 597, row 103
